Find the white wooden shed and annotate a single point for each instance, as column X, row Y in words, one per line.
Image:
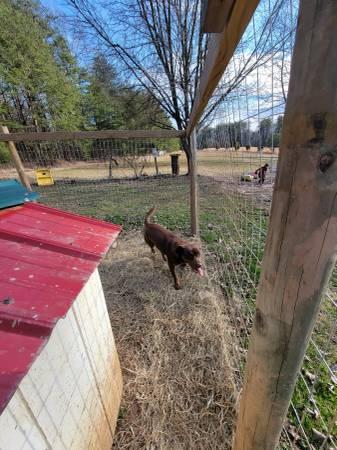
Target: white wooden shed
column 60, row 378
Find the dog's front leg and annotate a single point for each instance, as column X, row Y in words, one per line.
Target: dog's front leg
column 173, row 272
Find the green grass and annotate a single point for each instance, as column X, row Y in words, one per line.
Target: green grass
column 233, row 230
column 125, row 203
column 322, row 394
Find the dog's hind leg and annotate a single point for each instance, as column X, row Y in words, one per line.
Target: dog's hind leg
column 164, row 256
column 149, row 243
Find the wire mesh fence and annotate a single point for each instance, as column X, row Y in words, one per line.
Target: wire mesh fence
column 238, row 149
column 115, row 180
column 234, row 216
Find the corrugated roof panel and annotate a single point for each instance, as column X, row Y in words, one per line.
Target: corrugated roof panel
column 46, row 257
column 20, row 351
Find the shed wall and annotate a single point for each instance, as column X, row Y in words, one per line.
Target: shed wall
column 71, row 394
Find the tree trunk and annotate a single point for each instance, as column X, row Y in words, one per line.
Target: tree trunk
column 185, row 143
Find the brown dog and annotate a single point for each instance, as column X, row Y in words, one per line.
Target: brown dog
column 173, row 249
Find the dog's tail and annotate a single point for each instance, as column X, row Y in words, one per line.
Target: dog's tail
column 148, row 215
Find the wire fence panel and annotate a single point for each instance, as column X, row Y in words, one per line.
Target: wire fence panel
column 114, row 180
column 238, row 149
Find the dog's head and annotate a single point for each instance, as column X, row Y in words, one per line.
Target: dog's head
column 190, row 255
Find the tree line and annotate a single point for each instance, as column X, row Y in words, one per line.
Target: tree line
column 239, row 134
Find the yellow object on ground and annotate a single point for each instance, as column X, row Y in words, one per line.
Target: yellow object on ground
column 44, row 177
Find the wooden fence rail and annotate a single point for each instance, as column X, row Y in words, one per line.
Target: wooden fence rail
column 101, row 134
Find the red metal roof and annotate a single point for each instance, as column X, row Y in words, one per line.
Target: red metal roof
column 46, row 257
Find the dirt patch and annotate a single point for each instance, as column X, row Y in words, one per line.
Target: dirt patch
column 178, row 383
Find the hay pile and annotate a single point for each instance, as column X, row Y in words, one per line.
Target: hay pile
column 178, row 385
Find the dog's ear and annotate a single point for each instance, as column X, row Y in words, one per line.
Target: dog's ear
column 180, row 251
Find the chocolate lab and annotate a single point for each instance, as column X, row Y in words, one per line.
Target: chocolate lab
column 173, row 249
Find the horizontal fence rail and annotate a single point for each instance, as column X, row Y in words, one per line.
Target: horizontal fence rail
column 102, row 134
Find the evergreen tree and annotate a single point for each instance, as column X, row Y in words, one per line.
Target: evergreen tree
column 38, row 74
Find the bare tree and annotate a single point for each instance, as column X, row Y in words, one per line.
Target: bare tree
column 136, row 162
column 159, row 46
column 158, row 43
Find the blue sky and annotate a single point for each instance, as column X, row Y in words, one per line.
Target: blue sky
column 80, row 46
column 60, row 8
column 83, row 49
column 56, row 6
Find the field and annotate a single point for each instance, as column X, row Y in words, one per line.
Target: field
column 218, row 162
column 233, row 221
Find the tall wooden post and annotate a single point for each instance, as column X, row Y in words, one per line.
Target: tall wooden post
column 302, row 237
column 156, row 165
column 16, row 160
column 194, row 185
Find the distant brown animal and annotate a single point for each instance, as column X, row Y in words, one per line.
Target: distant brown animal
column 174, row 250
column 261, row 173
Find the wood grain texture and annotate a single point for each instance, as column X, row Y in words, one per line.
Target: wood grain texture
column 16, row 159
column 102, row 134
column 302, row 237
column 194, row 186
column 215, row 15
column 220, row 50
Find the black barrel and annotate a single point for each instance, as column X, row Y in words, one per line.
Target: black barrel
column 175, row 163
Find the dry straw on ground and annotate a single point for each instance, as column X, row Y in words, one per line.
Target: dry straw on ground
column 178, row 384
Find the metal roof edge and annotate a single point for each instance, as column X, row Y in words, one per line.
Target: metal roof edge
column 80, row 218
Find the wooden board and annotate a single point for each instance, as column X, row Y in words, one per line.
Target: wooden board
column 15, row 157
column 194, row 201
column 102, row 134
column 220, row 50
column 215, row 15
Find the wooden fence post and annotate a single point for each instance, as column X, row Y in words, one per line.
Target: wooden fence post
column 16, row 160
column 194, row 185
column 156, row 165
column 302, row 237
